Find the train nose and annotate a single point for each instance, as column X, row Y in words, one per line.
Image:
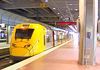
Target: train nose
column 20, row 52
column 20, row 44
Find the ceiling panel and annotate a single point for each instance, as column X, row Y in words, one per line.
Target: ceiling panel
column 66, row 10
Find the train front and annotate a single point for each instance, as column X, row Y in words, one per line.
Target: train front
column 21, row 41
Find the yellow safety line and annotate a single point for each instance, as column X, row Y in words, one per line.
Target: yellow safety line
column 31, row 59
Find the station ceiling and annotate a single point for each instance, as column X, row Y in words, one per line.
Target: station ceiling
column 47, row 11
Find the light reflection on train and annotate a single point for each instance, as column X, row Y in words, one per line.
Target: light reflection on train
column 31, row 39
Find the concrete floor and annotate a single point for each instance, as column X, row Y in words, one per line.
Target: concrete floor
column 64, row 58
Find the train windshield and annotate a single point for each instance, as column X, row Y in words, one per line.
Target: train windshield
column 23, row 34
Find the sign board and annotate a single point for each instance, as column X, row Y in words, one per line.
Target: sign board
column 43, row 5
column 66, row 23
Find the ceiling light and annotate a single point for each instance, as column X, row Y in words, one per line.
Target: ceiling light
column 76, row 9
column 70, row 4
column 54, row 8
column 46, row 0
column 58, row 13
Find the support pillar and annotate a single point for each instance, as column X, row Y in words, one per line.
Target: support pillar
column 88, row 13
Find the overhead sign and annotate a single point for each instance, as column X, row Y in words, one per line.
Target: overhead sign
column 43, row 5
column 66, row 23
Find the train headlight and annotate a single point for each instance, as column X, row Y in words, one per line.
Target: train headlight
column 14, row 45
column 26, row 46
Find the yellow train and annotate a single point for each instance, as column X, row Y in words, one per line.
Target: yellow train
column 31, row 39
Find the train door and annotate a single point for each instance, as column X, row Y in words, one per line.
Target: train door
column 62, row 37
column 55, row 38
column 49, row 39
column 59, row 37
column 65, row 36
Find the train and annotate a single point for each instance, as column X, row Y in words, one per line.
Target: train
column 29, row 39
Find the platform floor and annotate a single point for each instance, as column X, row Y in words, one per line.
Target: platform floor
column 63, row 58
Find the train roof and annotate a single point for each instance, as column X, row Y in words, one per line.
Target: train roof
column 45, row 25
column 58, row 29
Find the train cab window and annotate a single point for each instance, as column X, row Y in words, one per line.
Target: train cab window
column 23, row 34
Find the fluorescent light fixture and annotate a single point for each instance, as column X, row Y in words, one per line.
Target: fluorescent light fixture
column 54, row 8
column 70, row 4
column 76, row 9
column 46, row 0
column 58, row 13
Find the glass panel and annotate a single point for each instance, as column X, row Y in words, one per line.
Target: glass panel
column 24, row 34
column 3, row 33
column 49, row 39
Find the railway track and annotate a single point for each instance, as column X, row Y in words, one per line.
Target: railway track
column 5, row 59
column 5, row 62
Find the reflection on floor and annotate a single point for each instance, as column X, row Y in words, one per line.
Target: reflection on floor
column 64, row 58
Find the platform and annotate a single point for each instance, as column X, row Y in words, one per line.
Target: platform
column 63, row 58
